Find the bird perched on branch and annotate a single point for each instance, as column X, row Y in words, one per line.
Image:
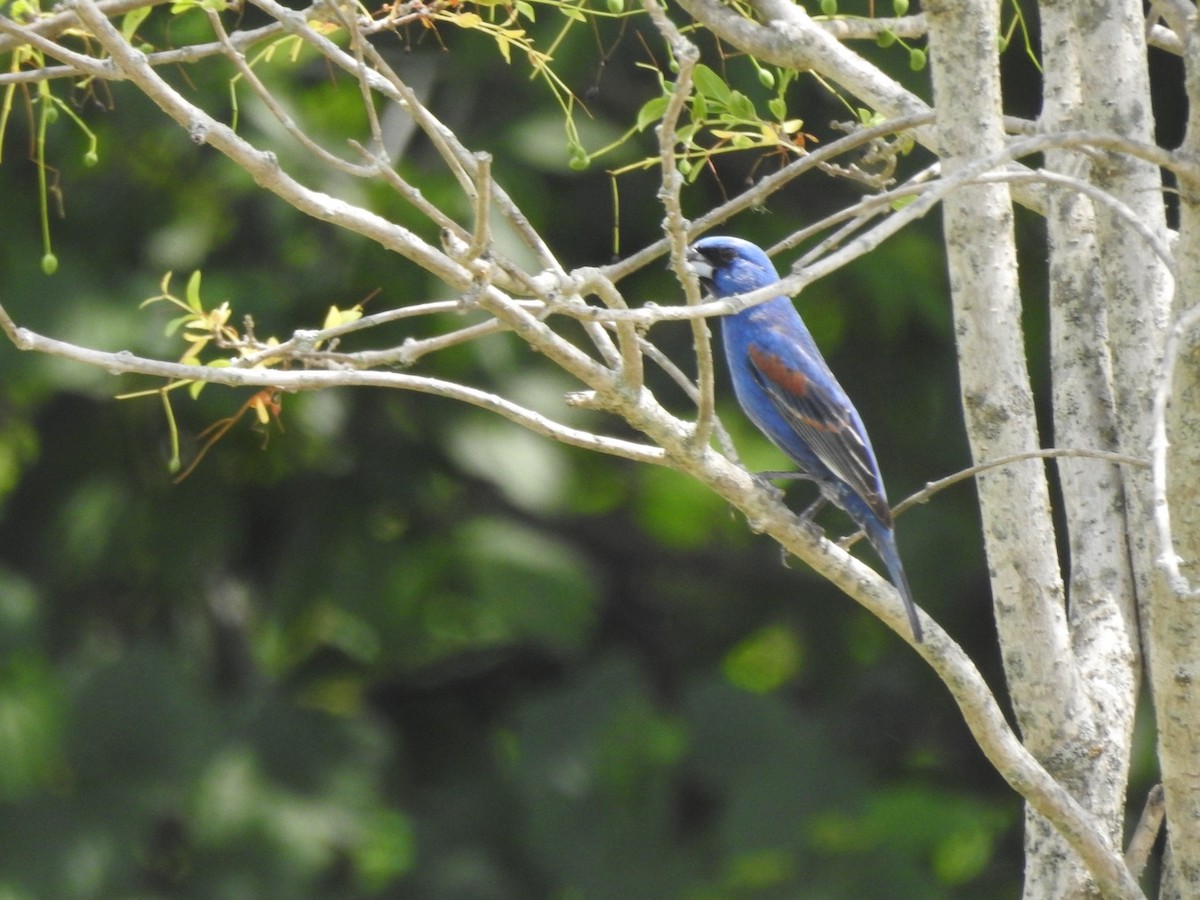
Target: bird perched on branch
column 786, row 388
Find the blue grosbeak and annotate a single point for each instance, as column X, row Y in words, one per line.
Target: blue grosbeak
column 786, row 388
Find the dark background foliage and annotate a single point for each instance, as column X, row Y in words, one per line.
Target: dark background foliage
column 402, row 648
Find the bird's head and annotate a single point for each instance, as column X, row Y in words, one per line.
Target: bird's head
column 729, row 265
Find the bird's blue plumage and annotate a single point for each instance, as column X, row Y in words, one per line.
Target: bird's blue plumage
column 788, row 391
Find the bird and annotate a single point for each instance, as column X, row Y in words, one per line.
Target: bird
column 785, row 387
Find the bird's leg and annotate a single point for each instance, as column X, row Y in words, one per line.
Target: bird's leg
column 764, row 480
column 813, row 508
column 806, row 522
column 784, row 476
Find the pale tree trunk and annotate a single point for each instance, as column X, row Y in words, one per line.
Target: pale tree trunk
column 1048, row 691
column 1094, row 764
column 1172, row 608
column 1135, row 289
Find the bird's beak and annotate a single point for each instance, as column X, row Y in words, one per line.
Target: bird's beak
column 700, row 267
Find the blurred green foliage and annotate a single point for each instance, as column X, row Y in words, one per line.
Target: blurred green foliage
column 406, row 650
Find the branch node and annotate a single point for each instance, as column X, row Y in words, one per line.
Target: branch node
column 198, row 131
column 305, row 339
column 583, row 400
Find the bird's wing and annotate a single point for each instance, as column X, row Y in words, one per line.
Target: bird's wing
column 821, row 417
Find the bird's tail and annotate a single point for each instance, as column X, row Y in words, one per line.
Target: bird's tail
column 883, row 539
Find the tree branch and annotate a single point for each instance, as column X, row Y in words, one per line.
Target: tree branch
column 122, row 362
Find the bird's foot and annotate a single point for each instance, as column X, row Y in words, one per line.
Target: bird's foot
column 763, row 480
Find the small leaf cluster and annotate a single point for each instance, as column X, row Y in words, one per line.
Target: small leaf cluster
column 42, row 109
column 716, row 110
column 202, row 328
column 917, row 58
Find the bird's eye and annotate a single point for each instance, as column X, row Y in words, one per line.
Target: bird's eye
column 726, row 254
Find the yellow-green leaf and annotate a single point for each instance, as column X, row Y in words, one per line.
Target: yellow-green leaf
column 132, row 20
column 710, row 84
column 336, row 317
column 193, row 292
column 652, row 110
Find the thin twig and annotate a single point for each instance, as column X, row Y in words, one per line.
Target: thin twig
column 935, row 487
column 276, row 108
column 307, row 380
column 77, row 65
column 1145, row 833
column 670, row 193
column 758, row 194
column 1179, row 340
column 262, row 166
column 481, row 234
column 927, row 197
column 632, row 374
column 352, row 25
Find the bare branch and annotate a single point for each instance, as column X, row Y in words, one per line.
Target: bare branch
column 51, row 26
column 260, row 165
column 80, row 65
column 675, row 225
column 934, row 487
column 232, row 376
column 853, row 28
column 1179, row 341
column 1145, row 833
column 276, row 108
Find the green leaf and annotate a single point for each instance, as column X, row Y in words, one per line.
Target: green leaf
column 132, row 20
column 778, row 108
column 193, row 292
column 572, row 13
column 175, row 324
column 687, row 134
column 651, row 112
column 742, row 106
column 525, row 9
column 900, row 7
column 710, row 84
column 916, row 59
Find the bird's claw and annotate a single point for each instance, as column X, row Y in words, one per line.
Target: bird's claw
column 763, row 480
